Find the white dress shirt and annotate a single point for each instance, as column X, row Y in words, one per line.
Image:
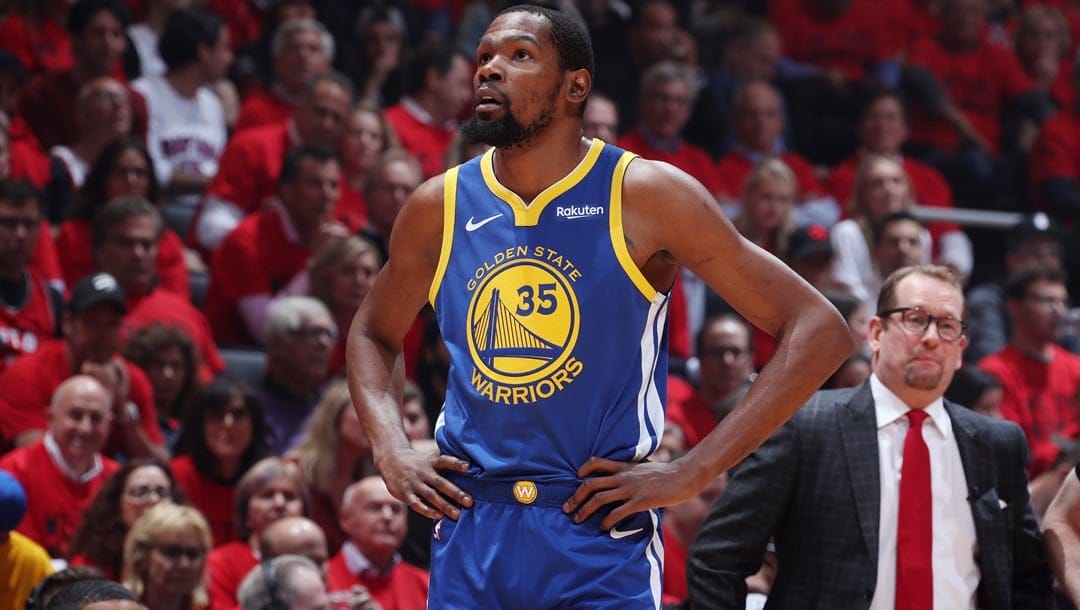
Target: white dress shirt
column 956, row 577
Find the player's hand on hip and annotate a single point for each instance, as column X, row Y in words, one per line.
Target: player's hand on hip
column 413, row 477
column 631, row 487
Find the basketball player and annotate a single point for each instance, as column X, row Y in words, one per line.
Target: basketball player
column 548, row 260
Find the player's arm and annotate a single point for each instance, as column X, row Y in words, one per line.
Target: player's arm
column 669, row 219
column 1061, row 530
column 376, row 369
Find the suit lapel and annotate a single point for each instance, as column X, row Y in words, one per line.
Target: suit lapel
column 976, row 457
column 858, row 430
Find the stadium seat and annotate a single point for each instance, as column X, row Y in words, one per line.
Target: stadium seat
column 244, row 363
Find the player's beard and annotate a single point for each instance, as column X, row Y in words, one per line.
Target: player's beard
column 507, row 131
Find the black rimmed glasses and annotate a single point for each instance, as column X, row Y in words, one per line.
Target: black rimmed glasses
column 175, row 552
column 916, row 320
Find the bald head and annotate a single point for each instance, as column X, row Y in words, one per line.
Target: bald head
column 79, row 388
column 373, row 519
column 294, row 536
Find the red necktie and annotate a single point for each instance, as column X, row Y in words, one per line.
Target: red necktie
column 914, row 527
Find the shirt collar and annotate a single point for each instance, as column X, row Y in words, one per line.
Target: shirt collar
column 888, row 407
column 57, row 457
column 417, row 111
column 361, row 566
column 668, row 146
column 291, row 232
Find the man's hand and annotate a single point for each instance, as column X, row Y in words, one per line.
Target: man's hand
column 634, row 487
column 114, row 376
column 413, row 477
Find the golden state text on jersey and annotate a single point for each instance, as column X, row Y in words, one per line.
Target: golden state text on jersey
column 557, row 342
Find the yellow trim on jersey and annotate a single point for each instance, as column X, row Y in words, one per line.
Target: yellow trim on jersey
column 528, row 214
column 618, row 237
column 449, row 207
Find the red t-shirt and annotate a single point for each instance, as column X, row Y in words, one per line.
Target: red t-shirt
column 214, row 500
column 48, row 105
column 675, row 557
column 40, row 46
column 1056, row 153
column 249, row 167
column 848, row 43
column 226, row 567
column 29, row 384
column 44, row 260
column 979, row 92
column 735, row 167
column 687, row 157
column 427, row 143
column 260, row 108
column 406, row 587
column 165, row 308
column 28, row 160
column 54, row 502
column 687, row 410
column 1041, row 397
column 256, row 258
column 73, row 241
column 24, row 328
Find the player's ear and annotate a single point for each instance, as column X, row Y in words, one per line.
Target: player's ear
column 580, row 84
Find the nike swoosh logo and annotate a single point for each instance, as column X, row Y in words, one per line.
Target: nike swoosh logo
column 618, row 534
column 472, row 225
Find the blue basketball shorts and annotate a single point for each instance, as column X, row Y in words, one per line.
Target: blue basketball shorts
column 516, row 549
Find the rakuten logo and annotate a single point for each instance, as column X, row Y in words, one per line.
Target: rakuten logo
column 572, row 212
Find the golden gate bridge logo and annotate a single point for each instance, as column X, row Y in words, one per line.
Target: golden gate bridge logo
column 523, row 322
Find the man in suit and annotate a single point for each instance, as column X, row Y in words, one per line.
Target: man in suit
column 826, row 487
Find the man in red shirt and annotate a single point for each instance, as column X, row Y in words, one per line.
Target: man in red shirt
column 301, row 49
column 29, row 307
column 375, row 523
column 438, row 89
column 759, row 125
column 266, row 256
column 91, row 323
column 99, row 42
column 124, row 238
column 1039, row 378
column 248, row 170
column 667, row 96
column 62, row 472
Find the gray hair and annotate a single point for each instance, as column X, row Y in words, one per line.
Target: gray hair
column 254, row 592
column 303, row 25
column 287, row 314
column 667, row 71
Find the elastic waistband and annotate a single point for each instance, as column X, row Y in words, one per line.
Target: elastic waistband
column 519, row 491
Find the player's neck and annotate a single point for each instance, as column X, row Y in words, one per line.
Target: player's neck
column 528, row 170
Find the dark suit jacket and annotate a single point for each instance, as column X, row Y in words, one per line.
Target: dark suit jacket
column 814, row 488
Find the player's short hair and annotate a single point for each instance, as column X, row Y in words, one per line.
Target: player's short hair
column 185, row 30
column 572, row 42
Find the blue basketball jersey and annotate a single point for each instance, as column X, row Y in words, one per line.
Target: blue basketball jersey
column 558, row 343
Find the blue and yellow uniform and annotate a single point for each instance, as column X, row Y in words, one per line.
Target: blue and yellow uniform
column 558, row 352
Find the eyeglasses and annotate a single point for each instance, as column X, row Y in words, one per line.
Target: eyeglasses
column 143, row 492
column 917, row 321
column 1048, row 301
column 315, row 332
column 12, row 223
column 175, row 552
column 236, row 415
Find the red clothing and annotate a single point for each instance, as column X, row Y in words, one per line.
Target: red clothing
column 979, row 92
column 1061, row 90
column 48, row 105
column 687, row 157
column 325, row 514
column 256, row 258
column 40, row 46
column 427, row 143
column 77, row 260
column 675, row 556
column 25, row 327
column 262, row 107
column 28, row 160
column 735, row 167
column 927, row 184
column 163, row 307
column 226, row 567
column 678, row 321
column 54, row 502
column 687, row 410
column 406, row 588
column 351, row 210
column 1040, row 397
column 848, row 43
column 29, row 384
column 44, row 260
column 244, row 19
column 1056, row 153
column 214, row 500
column 249, row 167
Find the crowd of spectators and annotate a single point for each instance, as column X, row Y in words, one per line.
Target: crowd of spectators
column 196, row 195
